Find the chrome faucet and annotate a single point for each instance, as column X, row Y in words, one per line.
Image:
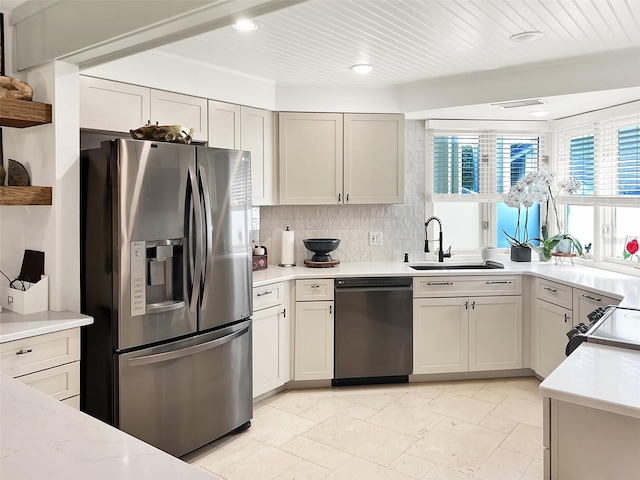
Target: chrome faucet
column 441, row 253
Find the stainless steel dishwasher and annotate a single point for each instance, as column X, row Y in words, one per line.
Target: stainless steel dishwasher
column 373, row 330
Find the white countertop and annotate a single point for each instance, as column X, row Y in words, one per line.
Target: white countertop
column 598, row 376
column 43, row 438
column 14, row 326
column 626, row 287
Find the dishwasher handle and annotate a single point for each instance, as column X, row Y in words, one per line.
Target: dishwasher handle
column 372, row 288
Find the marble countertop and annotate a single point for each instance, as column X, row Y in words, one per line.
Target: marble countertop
column 598, row 376
column 14, row 326
column 43, row 438
column 625, row 287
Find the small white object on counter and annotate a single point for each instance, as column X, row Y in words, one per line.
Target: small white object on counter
column 14, row 326
column 43, row 438
column 34, row 299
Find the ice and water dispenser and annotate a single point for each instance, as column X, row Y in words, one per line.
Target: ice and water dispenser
column 157, row 276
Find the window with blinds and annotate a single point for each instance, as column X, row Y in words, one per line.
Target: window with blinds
column 605, row 157
column 480, row 165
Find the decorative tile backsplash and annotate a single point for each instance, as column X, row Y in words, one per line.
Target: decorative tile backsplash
column 402, row 226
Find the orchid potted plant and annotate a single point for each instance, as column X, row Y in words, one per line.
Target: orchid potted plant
column 523, row 194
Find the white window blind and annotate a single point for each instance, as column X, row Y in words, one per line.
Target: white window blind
column 605, row 157
column 480, row 165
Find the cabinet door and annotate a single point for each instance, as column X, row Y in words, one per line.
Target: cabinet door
column 113, row 106
column 269, row 345
column 585, row 302
column 313, row 341
column 553, row 322
column 256, row 132
column 373, row 159
column 224, row 125
column 175, row 109
column 440, row 335
column 310, row 155
column 495, row 333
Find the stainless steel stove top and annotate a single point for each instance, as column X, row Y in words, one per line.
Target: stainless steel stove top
column 621, row 325
column 613, row 326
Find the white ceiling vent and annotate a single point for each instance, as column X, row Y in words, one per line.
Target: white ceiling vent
column 520, row 103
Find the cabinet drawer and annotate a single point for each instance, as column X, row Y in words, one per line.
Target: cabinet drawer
column 314, row 290
column 58, row 382
column 21, row 357
column 268, row 296
column 556, row 293
column 466, row 286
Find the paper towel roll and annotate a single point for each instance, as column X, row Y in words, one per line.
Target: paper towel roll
column 287, row 249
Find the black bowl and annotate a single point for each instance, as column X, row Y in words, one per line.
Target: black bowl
column 321, row 248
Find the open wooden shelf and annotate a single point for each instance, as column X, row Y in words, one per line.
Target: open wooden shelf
column 23, row 113
column 25, row 195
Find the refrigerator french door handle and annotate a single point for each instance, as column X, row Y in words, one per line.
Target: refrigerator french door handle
column 184, row 352
column 194, row 258
column 208, row 223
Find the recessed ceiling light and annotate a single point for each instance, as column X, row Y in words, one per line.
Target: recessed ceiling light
column 246, row 25
column 539, row 114
column 526, row 36
column 361, row 68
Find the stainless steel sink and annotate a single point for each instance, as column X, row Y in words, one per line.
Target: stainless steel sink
column 489, row 265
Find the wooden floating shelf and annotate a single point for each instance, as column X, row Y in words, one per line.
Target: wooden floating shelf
column 25, row 195
column 23, row 113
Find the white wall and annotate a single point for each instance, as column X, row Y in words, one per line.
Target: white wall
column 402, row 225
column 167, row 72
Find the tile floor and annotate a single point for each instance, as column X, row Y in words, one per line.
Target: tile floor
column 480, row 429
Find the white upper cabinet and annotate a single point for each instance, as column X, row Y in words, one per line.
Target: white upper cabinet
column 113, row 106
column 310, row 154
column 330, row 158
column 120, row 107
column 175, row 109
column 224, row 125
column 245, row 128
column 373, row 159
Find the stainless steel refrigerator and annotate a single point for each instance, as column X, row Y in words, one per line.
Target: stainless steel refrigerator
column 166, row 275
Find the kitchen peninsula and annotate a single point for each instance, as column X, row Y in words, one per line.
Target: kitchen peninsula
column 41, row 435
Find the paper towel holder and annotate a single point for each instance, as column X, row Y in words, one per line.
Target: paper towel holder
column 286, row 233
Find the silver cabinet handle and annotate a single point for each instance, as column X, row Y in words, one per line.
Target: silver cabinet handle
column 499, row 282
column 314, row 286
column 589, row 297
column 439, row 283
column 552, row 290
column 268, row 292
column 22, row 351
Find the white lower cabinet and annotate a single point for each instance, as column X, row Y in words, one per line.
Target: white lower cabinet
column 49, row 363
column 314, row 341
column 552, row 322
column 495, row 333
column 271, row 338
column 462, row 334
column 313, row 337
column 440, row 335
column 269, row 343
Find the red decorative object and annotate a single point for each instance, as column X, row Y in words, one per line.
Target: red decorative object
column 632, row 246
